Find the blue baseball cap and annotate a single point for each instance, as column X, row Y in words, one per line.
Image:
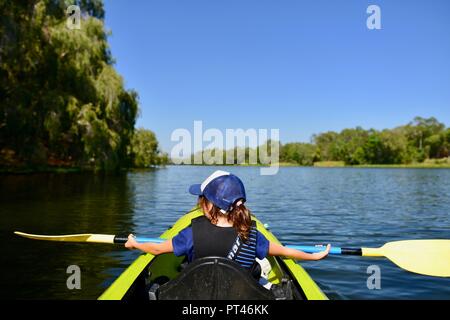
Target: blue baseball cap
column 221, row 188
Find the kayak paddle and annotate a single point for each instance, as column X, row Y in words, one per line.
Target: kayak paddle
column 427, row 257
column 87, row 237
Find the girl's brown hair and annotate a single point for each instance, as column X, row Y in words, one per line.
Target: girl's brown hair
column 240, row 216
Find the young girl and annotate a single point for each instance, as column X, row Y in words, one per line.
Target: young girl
column 225, row 229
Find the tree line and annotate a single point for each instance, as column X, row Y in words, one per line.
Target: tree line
column 62, row 103
column 419, row 140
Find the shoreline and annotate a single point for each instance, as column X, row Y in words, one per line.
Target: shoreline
column 63, row 170
column 68, row 170
column 318, row 165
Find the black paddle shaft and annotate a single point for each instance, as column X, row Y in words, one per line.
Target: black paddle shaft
column 120, row 239
column 351, row 251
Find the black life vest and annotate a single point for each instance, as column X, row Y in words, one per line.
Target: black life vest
column 211, row 240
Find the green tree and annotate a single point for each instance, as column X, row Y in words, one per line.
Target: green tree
column 446, row 143
column 359, row 156
column 60, row 96
column 373, row 148
column 418, row 133
column 145, row 149
column 304, row 154
column 435, row 145
column 351, row 141
column 344, row 146
column 394, row 147
column 326, row 144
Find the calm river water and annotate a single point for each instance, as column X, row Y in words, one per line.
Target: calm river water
column 342, row 206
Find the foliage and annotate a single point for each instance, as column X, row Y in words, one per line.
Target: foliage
column 61, row 100
column 62, row 103
column 416, row 142
column 145, row 151
column 421, row 139
column 304, row 154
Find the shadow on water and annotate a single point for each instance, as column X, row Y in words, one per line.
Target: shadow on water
column 61, row 204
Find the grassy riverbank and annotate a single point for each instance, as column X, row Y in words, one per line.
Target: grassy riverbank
column 429, row 163
column 410, row 166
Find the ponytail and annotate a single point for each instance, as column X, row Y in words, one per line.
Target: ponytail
column 240, row 216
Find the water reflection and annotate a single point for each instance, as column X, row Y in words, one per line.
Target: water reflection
column 61, row 204
column 347, row 207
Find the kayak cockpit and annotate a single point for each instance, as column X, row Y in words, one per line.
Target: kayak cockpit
column 141, row 280
column 168, row 277
column 211, row 278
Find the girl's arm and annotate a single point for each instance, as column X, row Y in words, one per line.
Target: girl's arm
column 278, row 250
column 153, row 248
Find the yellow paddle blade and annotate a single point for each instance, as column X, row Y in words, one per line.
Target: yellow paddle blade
column 87, row 237
column 428, row 257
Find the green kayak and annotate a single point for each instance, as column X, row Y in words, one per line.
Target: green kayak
column 167, row 276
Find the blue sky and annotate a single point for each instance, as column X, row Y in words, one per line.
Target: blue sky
column 303, row 67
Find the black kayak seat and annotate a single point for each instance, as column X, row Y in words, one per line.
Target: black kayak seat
column 214, row 278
